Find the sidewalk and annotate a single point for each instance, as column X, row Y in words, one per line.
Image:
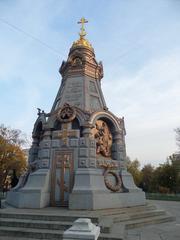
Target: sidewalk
column 163, row 231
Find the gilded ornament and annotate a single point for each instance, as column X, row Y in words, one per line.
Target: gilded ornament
column 82, row 41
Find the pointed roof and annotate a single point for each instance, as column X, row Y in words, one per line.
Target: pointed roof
column 81, row 76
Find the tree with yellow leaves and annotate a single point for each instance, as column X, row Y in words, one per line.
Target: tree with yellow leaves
column 12, row 157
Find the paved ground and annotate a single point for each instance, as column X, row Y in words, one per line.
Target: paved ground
column 164, row 231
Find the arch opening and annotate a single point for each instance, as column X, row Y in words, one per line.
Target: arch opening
column 75, row 124
column 57, row 125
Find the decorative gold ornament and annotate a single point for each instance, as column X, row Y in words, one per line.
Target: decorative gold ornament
column 82, row 22
column 103, row 138
column 82, row 41
column 67, row 113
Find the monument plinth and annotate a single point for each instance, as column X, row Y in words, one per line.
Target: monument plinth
column 78, row 154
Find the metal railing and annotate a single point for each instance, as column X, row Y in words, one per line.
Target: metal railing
column 163, row 196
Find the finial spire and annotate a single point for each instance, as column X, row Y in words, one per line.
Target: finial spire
column 82, row 22
column 82, row 41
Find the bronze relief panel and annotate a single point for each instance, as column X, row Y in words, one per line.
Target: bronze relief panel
column 103, row 137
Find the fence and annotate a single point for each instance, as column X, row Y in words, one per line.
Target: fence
column 161, row 196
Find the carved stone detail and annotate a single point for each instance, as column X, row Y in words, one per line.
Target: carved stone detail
column 67, row 113
column 118, row 183
column 106, row 163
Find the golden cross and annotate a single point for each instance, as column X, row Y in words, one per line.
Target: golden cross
column 82, row 22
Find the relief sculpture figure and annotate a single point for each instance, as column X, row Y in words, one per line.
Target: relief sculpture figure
column 103, row 138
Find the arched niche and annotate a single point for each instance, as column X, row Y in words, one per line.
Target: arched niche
column 107, row 132
column 75, row 124
column 57, row 125
column 76, row 55
column 110, row 120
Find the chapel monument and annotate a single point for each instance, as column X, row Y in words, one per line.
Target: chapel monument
column 78, row 154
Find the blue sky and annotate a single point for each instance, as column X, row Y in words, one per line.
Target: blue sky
column 138, row 42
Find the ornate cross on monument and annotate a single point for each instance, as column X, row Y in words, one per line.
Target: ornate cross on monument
column 82, row 22
column 65, row 133
column 63, row 162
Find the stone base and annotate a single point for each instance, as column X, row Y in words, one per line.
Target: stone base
column 83, row 229
column 35, row 193
column 128, row 181
column 95, row 200
column 90, row 193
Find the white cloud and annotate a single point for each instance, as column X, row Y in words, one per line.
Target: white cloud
column 150, row 103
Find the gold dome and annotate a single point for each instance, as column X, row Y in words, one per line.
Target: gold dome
column 82, row 42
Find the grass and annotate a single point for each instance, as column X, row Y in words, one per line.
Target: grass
column 161, row 196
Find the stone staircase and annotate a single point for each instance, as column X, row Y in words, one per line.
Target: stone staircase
column 50, row 223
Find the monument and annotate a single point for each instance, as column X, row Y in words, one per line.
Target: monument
column 78, row 154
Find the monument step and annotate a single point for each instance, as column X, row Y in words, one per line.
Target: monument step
column 38, row 224
column 110, row 236
column 14, row 238
column 50, row 223
column 13, row 233
column 148, row 221
column 27, row 223
column 45, row 217
column 138, row 215
column 30, row 233
column 122, row 219
column 127, row 210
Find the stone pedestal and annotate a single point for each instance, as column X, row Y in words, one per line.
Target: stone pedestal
column 90, row 193
column 35, row 194
column 82, row 229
